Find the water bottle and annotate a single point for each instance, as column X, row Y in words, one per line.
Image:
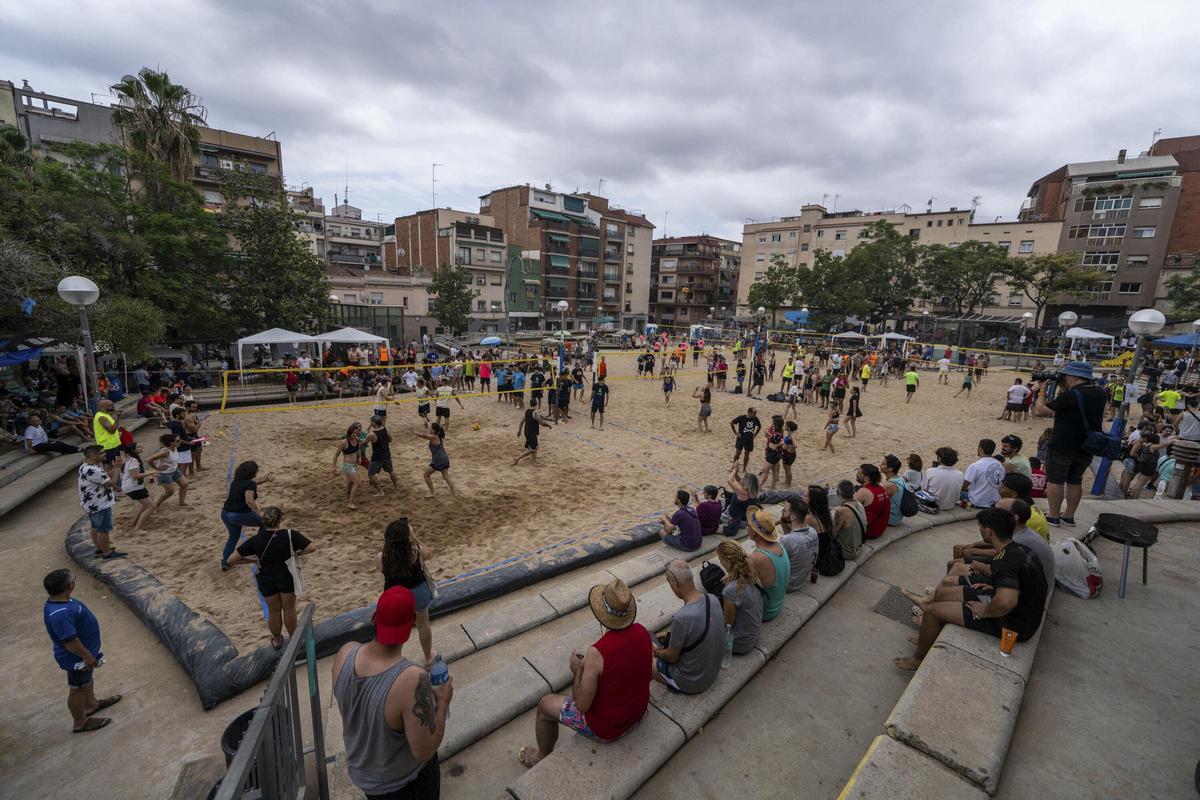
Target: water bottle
column 439, row 673
column 80, row 666
column 727, row 658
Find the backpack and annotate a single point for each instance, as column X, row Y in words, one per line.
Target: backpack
column 927, row 503
column 829, row 556
column 908, row 502
column 712, row 578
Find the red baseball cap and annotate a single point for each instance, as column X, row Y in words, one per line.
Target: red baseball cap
column 395, row 612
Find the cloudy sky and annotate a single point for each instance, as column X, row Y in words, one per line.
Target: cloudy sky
column 712, row 112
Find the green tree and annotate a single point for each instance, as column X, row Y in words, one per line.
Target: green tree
column 1045, row 276
column 961, row 278
column 1184, row 292
column 273, row 280
column 450, row 297
column 884, row 269
column 129, row 326
column 159, row 119
column 776, row 288
column 831, row 291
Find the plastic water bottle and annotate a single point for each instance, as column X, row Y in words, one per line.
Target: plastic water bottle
column 439, row 673
column 727, row 658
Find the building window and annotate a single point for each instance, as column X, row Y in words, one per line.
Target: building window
column 962, row 220
column 480, row 254
column 804, row 247
column 820, row 233
column 1129, row 288
column 1016, row 299
column 376, row 298
column 940, row 223
column 914, row 233
column 629, row 248
column 993, row 299
column 480, row 281
column 839, row 236
column 497, row 305
column 839, row 253
column 791, row 234
column 1150, row 202
column 758, row 276
column 929, row 223
column 1103, row 259
column 808, row 228
column 629, row 288
column 1146, row 232
column 1006, row 245
column 630, row 231
column 762, row 240
column 404, row 301
column 1026, row 246
column 497, row 280
column 668, row 280
column 628, row 307
column 481, row 305
column 495, row 257
column 350, row 297
column 1137, row 261
column 776, row 237
column 666, row 295
column 760, row 258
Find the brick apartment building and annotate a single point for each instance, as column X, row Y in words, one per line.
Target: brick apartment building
column 591, row 254
column 693, row 278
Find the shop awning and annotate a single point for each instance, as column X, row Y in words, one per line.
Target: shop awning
column 582, row 221
column 559, row 237
column 560, row 261
column 537, row 212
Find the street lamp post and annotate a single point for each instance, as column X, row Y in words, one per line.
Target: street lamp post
column 762, row 327
column 1192, row 354
column 1142, row 323
column 1028, row 315
column 81, row 293
column 1065, row 321
column 562, row 307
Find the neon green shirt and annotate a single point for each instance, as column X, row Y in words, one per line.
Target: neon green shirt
column 911, row 378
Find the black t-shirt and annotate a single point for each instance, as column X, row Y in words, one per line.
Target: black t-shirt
column 381, row 449
column 176, row 427
column 747, row 426
column 272, row 549
column 577, row 374
column 1069, row 429
column 236, row 501
column 532, row 426
column 1017, row 567
column 599, row 393
column 537, row 380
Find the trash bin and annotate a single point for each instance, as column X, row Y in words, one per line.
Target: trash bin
column 234, row 731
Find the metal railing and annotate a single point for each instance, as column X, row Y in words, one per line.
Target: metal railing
column 269, row 764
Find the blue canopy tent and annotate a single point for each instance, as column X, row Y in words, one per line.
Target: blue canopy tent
column 1178, row 340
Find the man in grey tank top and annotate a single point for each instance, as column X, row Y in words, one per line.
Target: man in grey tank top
column 393, row 718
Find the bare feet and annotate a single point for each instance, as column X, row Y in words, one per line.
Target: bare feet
column 528, row 756
column 911, row 639
column 907, row 663
column 919, row 599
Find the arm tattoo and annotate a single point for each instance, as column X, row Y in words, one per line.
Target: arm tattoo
column 425, row 704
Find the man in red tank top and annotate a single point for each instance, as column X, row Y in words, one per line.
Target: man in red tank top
column 611, row 687
column 874, row 499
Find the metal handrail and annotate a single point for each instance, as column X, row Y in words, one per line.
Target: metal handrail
column 270, row 742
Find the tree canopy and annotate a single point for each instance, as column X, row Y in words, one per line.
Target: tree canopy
column 450, row 297
column 1047, row 275
column 961, row 278
column 777, row 287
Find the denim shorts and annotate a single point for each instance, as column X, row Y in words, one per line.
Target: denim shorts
column 167, row 478
column 422, row 596
column 101, row 520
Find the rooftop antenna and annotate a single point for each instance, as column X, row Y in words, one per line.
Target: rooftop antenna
column 929, row 205
column 666, row 216
column 835, row 199
column 433, row 185
column 975, row 204
column 600, row 187
column 1154, row 138
column 824, row 197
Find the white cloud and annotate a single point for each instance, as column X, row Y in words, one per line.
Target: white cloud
column 714, row 111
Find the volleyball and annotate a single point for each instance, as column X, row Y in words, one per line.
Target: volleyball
column 475, row 426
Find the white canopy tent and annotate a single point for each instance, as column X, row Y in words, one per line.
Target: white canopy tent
column 274, row 336
column 348, row 336
column 897, row 336
column 1083, row 333
column 849, row 335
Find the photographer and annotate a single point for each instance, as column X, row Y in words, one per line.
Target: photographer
column 1077, row 408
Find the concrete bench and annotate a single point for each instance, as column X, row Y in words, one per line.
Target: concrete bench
column 892, row 771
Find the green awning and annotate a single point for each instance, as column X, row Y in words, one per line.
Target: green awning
column 582, row 221
column 557, row 283
column 559, row 237
column 560, row 261
column 537, row 212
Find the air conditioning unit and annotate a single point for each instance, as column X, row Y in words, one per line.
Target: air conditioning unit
column 226, row 163
column 1111, row 268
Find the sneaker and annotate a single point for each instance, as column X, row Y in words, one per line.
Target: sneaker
column 1069, row 521
column 225, row 567
column 1053, row 521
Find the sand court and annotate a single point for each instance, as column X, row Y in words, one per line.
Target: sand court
column 586, row 482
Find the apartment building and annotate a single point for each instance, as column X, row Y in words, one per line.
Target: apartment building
column 1118, row 216
column 1022, row 240
column 351, row 240
column 221, row 151
column 590, row 253
column 797, row 237
column 693, row 278
column 311, row 225
column 440, row 237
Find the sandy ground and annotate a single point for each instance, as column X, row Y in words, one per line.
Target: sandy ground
column 586, row 481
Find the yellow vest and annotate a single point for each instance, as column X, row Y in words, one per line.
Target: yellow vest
column 109, row 441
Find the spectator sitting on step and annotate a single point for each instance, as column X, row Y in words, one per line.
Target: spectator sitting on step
column 1020, row 487
column 801, row 541
column 981, row 484
column 741, row 597
column 708, row 510
column 1009, row 591
column 687, row 658
column 982, row 552
column 849, row 521
column 769, row 560
column 943, row 480
column 681, row 530
column 742, row 492
column 610, row 688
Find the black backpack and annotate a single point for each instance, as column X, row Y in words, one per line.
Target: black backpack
column 908, row 502
column 712, row 578
column 829, row 556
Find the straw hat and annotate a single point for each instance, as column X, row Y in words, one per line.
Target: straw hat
column 613, row 604
column 762, row 524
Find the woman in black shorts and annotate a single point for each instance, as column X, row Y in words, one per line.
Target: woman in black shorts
column 853, row 412
column 133, row 482
column 774, row 452
column 271, row 548
column 789, row 451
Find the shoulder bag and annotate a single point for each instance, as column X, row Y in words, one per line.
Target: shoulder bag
column 1095, row 441
column 293, row 566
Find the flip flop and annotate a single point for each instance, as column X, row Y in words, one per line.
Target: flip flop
column 105, row 703
column 278, row 646
column 93, row 724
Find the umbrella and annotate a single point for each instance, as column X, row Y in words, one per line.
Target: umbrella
column 488, row 341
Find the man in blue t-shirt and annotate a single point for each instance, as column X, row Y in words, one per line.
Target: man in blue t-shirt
column 75, row 633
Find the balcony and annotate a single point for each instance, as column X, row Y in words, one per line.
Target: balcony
column 1105, row 241
column 614, row 236
column 1118, row 185
column 558, row 247
column 586, row 271
column 612, row 274
column 613, row 255
column 351, row 258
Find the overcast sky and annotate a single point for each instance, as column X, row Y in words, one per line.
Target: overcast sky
column 712, row 111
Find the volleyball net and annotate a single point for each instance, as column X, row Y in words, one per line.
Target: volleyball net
column 258, row 389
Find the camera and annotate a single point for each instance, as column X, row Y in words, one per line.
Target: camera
column 1044, row 377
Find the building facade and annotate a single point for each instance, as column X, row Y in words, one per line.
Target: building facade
column 311, row 226
column 1118, row 217
column 351, row 240
column 590, row 253
column 1022, row 240
column 689, row 277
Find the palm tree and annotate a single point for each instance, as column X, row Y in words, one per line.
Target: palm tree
column 160, row 119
